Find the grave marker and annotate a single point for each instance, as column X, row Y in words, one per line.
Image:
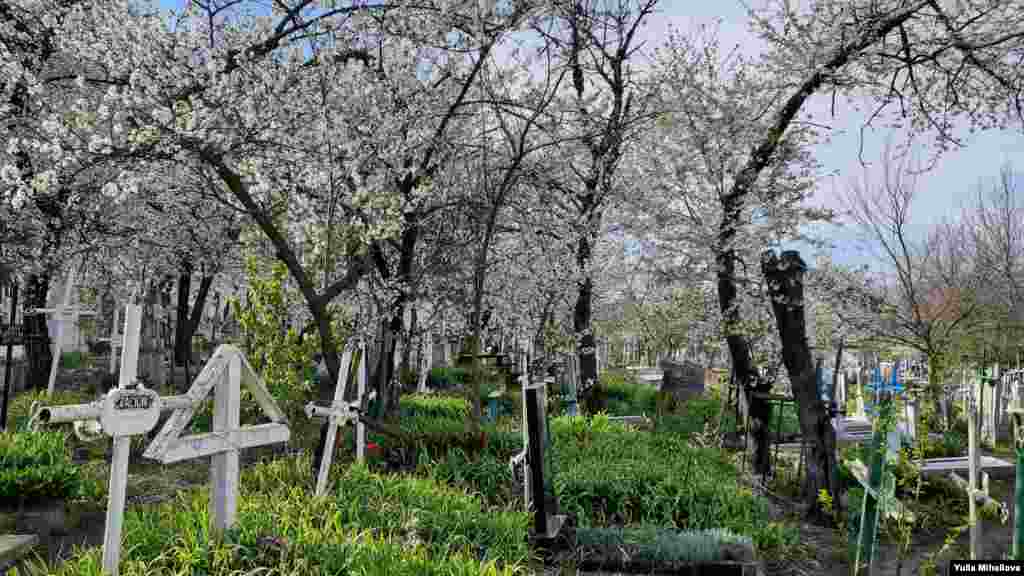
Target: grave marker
column 546, row 525
column 341, row 412
column 228, row 436
column 131, row 409
column 63, row 313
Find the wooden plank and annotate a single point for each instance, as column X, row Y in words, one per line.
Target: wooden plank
column 224, row 461
column 15, row 546
column 940, row 465
column 208, row 377
column 199, row 445
column 259, row 390
column 860, row 472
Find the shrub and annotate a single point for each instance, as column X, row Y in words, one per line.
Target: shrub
column 34, row 466
column 446, row 378
column 695, row 414
column 75, row 360
column 607, row 473
column 627, row 397
column 450, row 407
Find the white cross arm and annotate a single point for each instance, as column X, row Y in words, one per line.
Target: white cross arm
column 211, row 443
column 340, row 410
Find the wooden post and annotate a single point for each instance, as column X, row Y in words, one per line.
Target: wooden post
column 224, row 464
column 426, row 361
column 360, row 427
column 973, row 465
column 332, row 428
column 121, row 446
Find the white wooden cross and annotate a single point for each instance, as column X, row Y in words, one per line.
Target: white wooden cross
column 224, row 373
column 63, row 313
column 131, row 409
column 341, row 412
column 125, row 411
column 519, row 460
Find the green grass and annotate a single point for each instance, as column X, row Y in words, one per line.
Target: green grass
column 606, row 473
column 367, row 524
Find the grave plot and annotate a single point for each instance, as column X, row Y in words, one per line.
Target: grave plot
column 132, row 410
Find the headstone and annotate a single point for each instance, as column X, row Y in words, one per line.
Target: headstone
column 683, row 379
column 547, row 523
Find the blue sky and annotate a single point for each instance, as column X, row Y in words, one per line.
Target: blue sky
column 941, row 192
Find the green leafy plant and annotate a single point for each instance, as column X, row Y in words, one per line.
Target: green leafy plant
column 610, row 474
column 446, row 378
column 273, row 346
column 34, row 466
column 655, row 546
column 75, row 360
column 367, row 524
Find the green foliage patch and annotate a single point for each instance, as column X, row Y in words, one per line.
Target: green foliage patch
column 610, row 474
column 34, row 466
column 446, row 378
column 627, row 397
column 366, row 524
column 651, row 545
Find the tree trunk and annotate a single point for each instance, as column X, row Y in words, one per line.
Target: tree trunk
column 181, row 338
column 582, row 317
column 757, row 411
column 785, row 286
column 39, row 351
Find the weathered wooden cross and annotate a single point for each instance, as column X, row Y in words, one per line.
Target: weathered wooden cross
column 131, row 409
column 341, row 412
column 63, row 313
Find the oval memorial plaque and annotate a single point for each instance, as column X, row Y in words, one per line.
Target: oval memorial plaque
column 130, row 412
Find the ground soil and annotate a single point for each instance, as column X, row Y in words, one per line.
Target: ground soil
column 823, row 550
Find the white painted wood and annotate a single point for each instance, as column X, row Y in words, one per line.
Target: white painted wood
column 426, row 361
column 338, row 413
column 115, row 340
column 360, row 427
column 213, row 443
column 973, row 466
column 121, row 446
column 211, row 373
column 225, row 373
column 224, row 462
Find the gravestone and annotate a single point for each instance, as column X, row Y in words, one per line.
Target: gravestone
column 683, row 380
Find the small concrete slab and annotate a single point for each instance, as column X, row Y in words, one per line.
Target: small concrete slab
column 14, row 547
